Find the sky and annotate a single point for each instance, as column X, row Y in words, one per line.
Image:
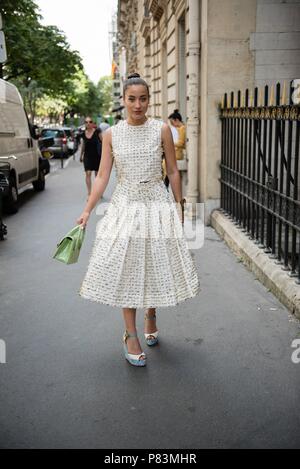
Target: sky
column 86, row 26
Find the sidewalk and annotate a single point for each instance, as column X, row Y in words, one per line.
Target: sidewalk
column 222, row 376
column 263, row 267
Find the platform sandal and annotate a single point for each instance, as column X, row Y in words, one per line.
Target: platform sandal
column 152, row 338
column 136, row 360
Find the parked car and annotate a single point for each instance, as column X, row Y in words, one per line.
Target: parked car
column 72, row 142
column 18, row 147
column 44, row 144
column 60, row 141
column 4, row 187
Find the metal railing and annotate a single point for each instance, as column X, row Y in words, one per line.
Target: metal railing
column 260, row 170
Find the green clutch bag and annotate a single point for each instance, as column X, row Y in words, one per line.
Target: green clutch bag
column 68, row 248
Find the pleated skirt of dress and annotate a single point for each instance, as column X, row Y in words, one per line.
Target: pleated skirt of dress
column 140, row 257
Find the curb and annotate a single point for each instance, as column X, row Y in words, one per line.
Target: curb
column 264, row 268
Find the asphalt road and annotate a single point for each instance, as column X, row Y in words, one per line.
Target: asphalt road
column 221, row 377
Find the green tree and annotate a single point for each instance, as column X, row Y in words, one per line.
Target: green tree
column 50, row 107
column 105, row 89
column 36, row 54
column 82, row 95
column 45, row 69
column 31, row 94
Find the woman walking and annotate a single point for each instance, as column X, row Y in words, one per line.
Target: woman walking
column 138, row 259
column 90, row 151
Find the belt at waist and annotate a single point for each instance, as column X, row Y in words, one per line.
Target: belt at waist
column 153, row 179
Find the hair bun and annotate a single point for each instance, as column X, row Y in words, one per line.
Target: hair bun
column 133, row 75
column 176, row 110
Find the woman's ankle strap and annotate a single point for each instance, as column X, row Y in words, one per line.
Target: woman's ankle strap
column 127, row 334
column 150, row 317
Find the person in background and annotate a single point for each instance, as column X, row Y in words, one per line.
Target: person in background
column 176, row 121
column 91, row 150
column 174, row 133
column 179, row 143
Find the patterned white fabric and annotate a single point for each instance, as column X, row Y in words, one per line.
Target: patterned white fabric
column 140, row 257
column 174, row 133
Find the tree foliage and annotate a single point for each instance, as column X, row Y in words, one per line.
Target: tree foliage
column 45, row 69
column 35, row 52
column 105, row 89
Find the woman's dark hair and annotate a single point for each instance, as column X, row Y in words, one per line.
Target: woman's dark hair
column 175, row 115
column 134, row 79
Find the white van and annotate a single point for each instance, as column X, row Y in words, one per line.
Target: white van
column 18, row 147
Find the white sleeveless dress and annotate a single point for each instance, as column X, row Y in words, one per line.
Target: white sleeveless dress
column 140, row 257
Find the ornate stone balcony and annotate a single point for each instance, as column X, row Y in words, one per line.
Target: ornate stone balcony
column 156, row 7
column 145, row 26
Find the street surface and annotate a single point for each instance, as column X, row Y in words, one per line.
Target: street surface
column 221, row 377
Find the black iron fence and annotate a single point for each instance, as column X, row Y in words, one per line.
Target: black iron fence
column 260, row 170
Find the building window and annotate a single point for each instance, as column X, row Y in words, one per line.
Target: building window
column 182, row 66
column 164, row 74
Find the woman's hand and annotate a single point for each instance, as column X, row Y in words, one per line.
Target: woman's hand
column 83, row 219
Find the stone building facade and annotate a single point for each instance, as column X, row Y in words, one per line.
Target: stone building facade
column 191, row 52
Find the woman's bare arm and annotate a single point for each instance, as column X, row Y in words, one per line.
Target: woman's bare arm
column 102, row 178
column 171, row 162
column 82, row 149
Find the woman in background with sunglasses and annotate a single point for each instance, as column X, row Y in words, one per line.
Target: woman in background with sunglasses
column 90, row 151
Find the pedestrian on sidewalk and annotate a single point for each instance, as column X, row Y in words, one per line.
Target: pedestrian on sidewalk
column 91, row 150
column 178, row 133
column 176, row 121
column 127, row 269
